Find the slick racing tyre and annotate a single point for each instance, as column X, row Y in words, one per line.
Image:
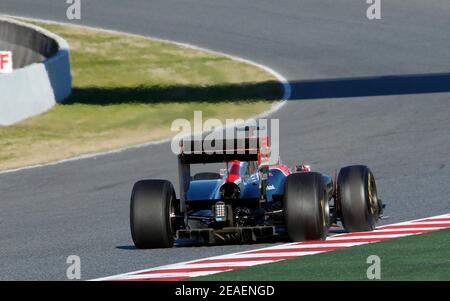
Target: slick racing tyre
column 305, row 206
column 357, row 199
column 152, row 205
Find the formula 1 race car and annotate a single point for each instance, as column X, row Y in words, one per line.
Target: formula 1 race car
column 252, row 199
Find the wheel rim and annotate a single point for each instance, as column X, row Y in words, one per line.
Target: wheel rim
column 372, row 195
column 325, row 212
column 172, row 216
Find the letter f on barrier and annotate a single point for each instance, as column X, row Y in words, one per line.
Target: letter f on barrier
column 6, row 62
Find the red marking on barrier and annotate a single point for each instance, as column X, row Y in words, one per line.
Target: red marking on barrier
column 6, row 62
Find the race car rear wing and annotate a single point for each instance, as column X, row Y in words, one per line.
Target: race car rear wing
column 209, row 150
column 216, row 147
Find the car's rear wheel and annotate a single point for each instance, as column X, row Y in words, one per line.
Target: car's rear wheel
column 151, row 214
column 305, row 206
column 357, row 198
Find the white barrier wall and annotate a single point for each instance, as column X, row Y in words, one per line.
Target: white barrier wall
column 42, row 77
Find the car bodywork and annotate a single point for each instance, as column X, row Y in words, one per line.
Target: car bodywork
column 245, row 210
column 244, row 202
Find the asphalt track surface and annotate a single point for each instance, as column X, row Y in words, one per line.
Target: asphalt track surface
column 372, row 92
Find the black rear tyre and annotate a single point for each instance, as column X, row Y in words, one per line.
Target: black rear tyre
column 357, row 198
column 152, row 202
column 305, row 206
